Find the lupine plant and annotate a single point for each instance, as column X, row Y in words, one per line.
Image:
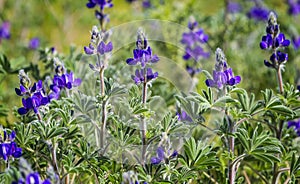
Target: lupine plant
column 104, row 114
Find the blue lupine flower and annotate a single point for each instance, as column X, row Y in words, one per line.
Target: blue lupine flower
column 258, row 13
column 234, row 7
column 230, row 78
column 5, row 31
column 142, row 56
column 32, row 178
column 139, row 76
column 294, row 7
column 280, row 41
column 33, row 103
column 298, row 87
column 161, row 155
column 102, row 48
column 277, row 58
column 65, row 81
column 222, row 75
column 34, row 95
column 266, row 42
column 274, row 40
column 34, row 43
column 101, row 3
column 8, row 147
column 295, row 124
column 218, row 81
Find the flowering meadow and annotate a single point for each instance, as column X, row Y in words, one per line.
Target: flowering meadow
column 150, row 92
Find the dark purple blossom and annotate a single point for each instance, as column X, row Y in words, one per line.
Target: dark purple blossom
column 298, row 87
column 234, row 7
column 266, row 42
column 161, row 155
column 274, row 40
column 140, row 75
column 143, row 57
column 258, row 13
column 8, row 147
column 34, row 43
column 230, row 78
column 280, row 41
column 32, row 178
column 5, row 31
column 33, row 103
column 218, row 81
column 101, row 3
column 295, row 124
column 195, row 53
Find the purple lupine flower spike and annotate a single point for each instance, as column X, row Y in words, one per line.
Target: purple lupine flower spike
column 274, row 40
column 222, row 75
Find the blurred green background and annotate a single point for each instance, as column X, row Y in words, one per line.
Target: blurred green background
column 60, row 24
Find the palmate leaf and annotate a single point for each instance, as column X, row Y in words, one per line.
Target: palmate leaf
column 247, row 103
column 259, row 144
column 272, row 103
column 197, row 155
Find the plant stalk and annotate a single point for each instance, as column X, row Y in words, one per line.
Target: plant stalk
column 104, row 113
column 143, row 120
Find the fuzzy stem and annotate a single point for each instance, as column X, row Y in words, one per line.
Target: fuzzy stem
column 232, row 166
column 104, row 113
column 143, row 120
column 39, row 116
column 279, row 77
column 54, row 161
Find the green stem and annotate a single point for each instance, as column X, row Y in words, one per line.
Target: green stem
column 279, row 78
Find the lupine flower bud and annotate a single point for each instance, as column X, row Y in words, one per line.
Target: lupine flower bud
column 221, row 60
column 24, row 79
column 141, row 42
column 59, row 66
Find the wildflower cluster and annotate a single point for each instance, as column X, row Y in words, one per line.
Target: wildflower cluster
column 143, row 55
column 193, row 41
column 222, row 74
column 62, row 80
column 98, row 47
column 33, row 96
column 4, row 31
column 8, row 147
